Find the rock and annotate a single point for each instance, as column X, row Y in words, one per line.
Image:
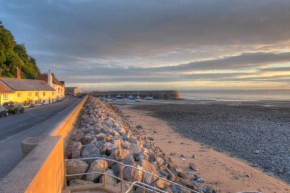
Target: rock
column 193, row 167
column 132, row 174
column 90, row 151
column 170, row 175
column 145, row 165
column 159, row 161
column 76, row 150
column 76, row 182
column 101, row 136
column 135, row 148
column 200, row 180
column 78, row 136
column 109, row 179
column 150, row 138
column 191, row 184
column 88, row 139
column 110, row 147
column 209, row 190
column 151, row 157
column 167, row 189
column 120, row 129
column 117, row 155
column 126, row 144
column 194, row 156
column 96, row 166
column 75, row 167
column 133, row 140
column 161, row 184
column 117, row 142
column 140, row 156
column 172, row 154
column 139, row 127
column 101, row 146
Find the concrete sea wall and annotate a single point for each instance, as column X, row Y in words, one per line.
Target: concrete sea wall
column 42, row 170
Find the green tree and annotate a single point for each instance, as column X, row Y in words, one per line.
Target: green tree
column 13, row 55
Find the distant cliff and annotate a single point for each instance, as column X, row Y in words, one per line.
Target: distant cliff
column 163, row 94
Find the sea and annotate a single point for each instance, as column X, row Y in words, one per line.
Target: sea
column 236, row 95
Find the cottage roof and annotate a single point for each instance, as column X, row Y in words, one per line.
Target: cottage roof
column 4, row 88
column 54, row 79
column 70, row 89
column 26, row 84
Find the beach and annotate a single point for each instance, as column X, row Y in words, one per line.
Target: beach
column 238, row 147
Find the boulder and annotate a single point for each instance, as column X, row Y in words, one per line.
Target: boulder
column 117, row 142
column 97, row 166
column 135, row 148
column 120, row 129
column 145, row 165
column 126, row 144
column 76, row 182
column 78, row 136
column 159, row 161
column 88, row 139
column 101, row 136
column 117, row 155
column 90, row 151
column 110, row 147
column 75, row 167
column 161, row 184
column 132, row 174
column 101, row 146
column 170, row 175
column 129, row 160
column 109, row 179
column 193, row 167
column 76, row 150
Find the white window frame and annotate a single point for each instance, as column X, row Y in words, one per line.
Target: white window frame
column 19, row 95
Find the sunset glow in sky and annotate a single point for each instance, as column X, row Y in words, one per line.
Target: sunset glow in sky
column 165, row 44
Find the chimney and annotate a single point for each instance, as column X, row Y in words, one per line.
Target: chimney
column 18, row 73
column 49, row 78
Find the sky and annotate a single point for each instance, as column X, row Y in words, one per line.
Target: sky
column 156, row 44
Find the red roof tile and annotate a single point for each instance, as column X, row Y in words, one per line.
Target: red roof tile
column 4, row 88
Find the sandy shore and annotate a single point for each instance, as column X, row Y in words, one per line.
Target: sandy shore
column 224, row 173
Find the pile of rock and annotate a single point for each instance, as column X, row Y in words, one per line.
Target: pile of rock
column 103, row 133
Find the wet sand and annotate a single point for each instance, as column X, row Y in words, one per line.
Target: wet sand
column 224, row 173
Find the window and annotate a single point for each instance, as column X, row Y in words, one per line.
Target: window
column 5, row 96
column 36, row 102
column 29, row 94
column 43, row 93
column 36, row 94
column 19, row 95
column 43, row 101
column 52, row 93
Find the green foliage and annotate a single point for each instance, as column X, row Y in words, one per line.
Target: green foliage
column 13, row 55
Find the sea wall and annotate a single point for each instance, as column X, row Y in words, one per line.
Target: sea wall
column 163, row 94
column 42, row 168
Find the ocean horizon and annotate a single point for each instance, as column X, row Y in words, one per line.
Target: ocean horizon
column 236, row 95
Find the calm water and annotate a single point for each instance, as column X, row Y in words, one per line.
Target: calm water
column 236, row 95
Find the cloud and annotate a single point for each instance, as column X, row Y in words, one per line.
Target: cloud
column 130, row 40
column 278, row 69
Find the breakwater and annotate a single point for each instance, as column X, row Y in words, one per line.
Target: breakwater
column 163, row 94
